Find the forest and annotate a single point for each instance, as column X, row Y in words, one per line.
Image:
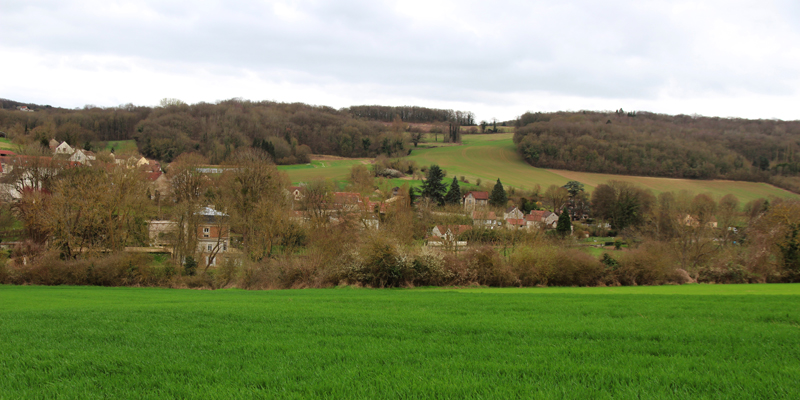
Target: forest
column 648, row 144
column 289, row 132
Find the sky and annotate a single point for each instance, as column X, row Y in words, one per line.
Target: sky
column 498, row 59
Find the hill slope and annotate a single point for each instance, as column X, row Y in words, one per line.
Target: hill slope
column 493, row 156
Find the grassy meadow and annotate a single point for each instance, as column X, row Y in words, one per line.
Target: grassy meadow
column 122, row 146
column 491, row 156
column 320, row 169
column 691, row 341
column 5, row 144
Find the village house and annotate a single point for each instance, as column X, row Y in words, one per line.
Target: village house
column 213, row 234
column 296, row 192
column 63, row 148
column 541, row 219
column 484, row 218
column 161, row 233
column 82, row 156
column 447, row 235
column 159, row 183
column 689, row 220
column 475, row 199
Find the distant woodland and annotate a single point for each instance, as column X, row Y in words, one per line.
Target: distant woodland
column 289, row 132
column 649, row 144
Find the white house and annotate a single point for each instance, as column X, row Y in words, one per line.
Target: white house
column 541, row 219
column 82, row 156
column 64, row 148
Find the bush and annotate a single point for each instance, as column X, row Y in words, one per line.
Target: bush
column 380, row 263
column 487, row 268
column 653, row 263
column 119, row 269
column 554, row 266
column 429, row 269
column 727, row 267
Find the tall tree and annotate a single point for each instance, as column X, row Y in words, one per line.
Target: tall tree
column 432, row 186
column 454, row 194
column 556, row 197
column 564, row 226
column 498, row 198
column 621, row 204
column 256, row 202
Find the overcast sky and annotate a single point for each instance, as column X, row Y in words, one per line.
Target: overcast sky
column 495, row 58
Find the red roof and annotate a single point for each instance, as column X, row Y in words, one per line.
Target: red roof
column 5, row 153
column 456, row 229
column 346, row 198
column 153, row 176
column 514, row 221
column 478, row 195
column 538, row 215
column 483, row 215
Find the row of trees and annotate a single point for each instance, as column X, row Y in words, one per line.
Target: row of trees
column 413, row 114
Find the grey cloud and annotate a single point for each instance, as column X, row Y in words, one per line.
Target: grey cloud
column 610, row 50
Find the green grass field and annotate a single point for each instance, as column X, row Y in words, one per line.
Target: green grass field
column 493, row 156
column 122, row 146
column 692, row 342
column 320, row 169
column 5, row 144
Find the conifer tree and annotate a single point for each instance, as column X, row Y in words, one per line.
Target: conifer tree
column 432, row 187
column 564, row 226
column 498, row 198
column 454, row 194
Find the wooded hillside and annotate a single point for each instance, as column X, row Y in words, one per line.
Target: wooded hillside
column 650, row 144
column 288, row 131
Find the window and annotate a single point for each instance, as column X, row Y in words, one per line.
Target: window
column 210, row 247
column 224, row 247
column 206, row 232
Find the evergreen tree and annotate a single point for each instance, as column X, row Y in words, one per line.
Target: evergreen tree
column 454, row 194
column 432, row 187
column 564, row 226
column 498, row 198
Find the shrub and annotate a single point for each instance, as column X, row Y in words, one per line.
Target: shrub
column 487, row 268
column 653, row 263
column 119, row 269
column 576, row 268
column 533, row 266
column 429, row 269
column 380, row 263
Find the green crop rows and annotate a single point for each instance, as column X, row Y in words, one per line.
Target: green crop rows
column 693, row 341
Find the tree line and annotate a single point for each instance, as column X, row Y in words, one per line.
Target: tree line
column 413, row 114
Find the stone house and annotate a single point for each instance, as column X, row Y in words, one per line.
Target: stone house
column 475, row 199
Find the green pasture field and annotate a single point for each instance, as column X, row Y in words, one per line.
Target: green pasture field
column 122, row 146
column 690, row 342
column 320, row 169
column 492, row 156
column 5, row 144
